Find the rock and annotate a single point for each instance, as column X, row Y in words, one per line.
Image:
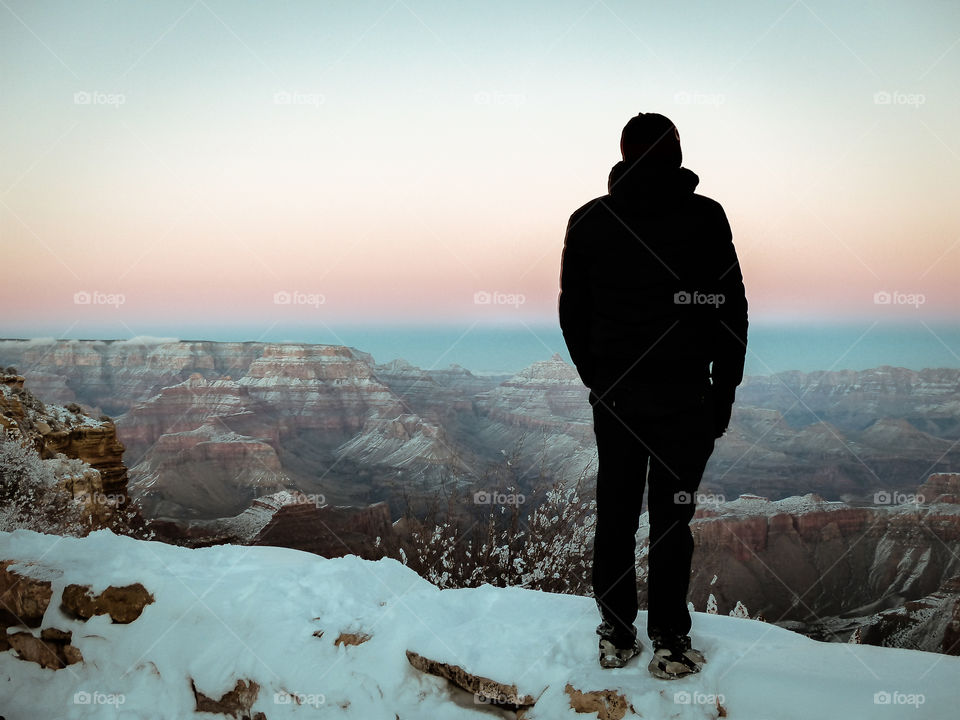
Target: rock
column 484, row 688
column 346, row 638
column 51, row 650
column 235, row 703
column 328, row 531
column 805, row 559
column 941, row 487
column 931, row 623
column 607, row 704
column 23, row 599
column 54, row 430
column 205, row 473
column 123, row 604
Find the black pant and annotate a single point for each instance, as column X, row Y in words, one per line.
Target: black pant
column 671, row 426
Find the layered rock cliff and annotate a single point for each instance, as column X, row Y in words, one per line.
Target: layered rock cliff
column 826, row 567
column 98, row 481
column 340, row 425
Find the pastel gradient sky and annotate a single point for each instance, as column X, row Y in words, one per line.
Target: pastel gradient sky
column 202, row 165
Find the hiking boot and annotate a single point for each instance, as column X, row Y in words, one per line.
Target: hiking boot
column 616, row 651
column 674, row 658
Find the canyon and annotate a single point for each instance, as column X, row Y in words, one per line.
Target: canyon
column 211, row 426
column 221, row 458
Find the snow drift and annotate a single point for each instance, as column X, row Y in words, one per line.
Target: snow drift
column 271, row 633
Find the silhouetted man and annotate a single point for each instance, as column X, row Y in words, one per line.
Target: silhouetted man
column 653, row 311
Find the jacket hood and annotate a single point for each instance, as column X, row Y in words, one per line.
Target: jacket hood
column 635, row 185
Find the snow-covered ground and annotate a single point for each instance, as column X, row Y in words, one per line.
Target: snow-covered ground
column 228, row 613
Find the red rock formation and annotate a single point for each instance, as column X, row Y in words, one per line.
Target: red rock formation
column 547, row 395
column 940, row 487
column 328, row 531
column 931, row 623
column 190, row 404
column 804, row 559
column 205, row 473
column 53, row 430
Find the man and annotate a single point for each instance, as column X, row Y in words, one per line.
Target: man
column 654, row 314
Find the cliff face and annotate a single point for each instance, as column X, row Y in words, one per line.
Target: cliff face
column 114, row 375
column 545, row 405
column 186, row 405
column 340, row 425
column 206, row 472
column 53, row 430
column 328, row 531
column 854, row 399
column 208, row 425
column 439, row 396
column 828, row 567
column 931, row 623
column 327, row 388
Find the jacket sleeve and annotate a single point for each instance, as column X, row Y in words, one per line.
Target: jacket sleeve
column 731, row 340
column 575, row 303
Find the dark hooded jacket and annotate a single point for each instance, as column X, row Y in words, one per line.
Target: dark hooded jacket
column 650, row 285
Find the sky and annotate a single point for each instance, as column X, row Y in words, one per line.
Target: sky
column 227, row 168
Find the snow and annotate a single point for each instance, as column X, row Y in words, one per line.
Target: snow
column 231, row 612
column 747, row 504
column 70, row 419
column 147, row 340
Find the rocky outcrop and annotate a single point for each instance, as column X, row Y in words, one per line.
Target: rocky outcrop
column 236, row 703
column 540, row 419
column 205, row 473
column 404, row 441
column 930, row 623
column 100, row 484
column 52, row 649
column 328, row 531
column 211, row 426
column 25, row 595
column 941, row 488
column 23, row 602
column 113, row 375
column 190, row 404
column 123, row 604
column 804, row 559
column 23, row 598
column 436, row 395
column 852, row 400
column 547, row 395
column 483, row 688
column 607, row 704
